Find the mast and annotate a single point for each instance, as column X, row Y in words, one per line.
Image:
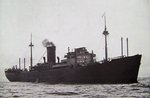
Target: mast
column 24, row 64
column 127, row 47
column 105, row 33
column 31, row 45
column 121, row 46
column 19, row 63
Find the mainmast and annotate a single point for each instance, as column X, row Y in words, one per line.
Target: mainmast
column 105, row 32
column 31, row 45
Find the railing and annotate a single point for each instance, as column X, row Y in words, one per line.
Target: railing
column 110, row 59
column 118, row 57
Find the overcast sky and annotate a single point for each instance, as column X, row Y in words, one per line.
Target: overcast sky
column 73, row 23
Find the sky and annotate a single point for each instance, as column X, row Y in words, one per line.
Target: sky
column 73, row 23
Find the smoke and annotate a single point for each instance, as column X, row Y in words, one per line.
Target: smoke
column 46, row 43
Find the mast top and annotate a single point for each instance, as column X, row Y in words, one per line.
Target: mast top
column 105, row 30
column 31, row 45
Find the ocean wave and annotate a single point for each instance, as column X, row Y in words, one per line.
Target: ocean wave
column 27, row 90
column 63, row 93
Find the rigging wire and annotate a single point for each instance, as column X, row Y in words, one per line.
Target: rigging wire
column 42, row 56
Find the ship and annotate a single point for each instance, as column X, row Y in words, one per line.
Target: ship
column 79, row 66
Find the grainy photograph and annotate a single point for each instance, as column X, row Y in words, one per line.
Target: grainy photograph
column 74, row 48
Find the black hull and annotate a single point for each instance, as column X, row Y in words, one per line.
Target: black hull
column 123, row 70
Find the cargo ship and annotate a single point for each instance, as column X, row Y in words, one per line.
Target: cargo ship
column 78, row 67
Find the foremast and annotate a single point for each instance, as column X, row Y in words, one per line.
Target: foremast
column 31, row 45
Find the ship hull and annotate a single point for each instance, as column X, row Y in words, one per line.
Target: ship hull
column 123, row 70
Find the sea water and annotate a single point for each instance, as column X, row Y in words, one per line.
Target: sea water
column 42, row 90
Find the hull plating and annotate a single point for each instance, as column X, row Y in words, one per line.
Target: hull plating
column 123, row 70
